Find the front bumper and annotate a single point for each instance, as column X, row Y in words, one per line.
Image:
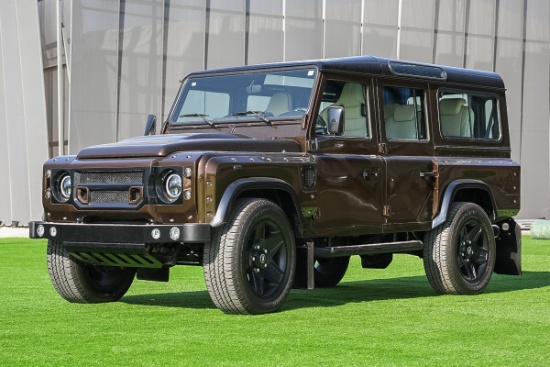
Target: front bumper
column 121, row 233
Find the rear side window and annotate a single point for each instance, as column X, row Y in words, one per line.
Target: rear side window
column 404, row 113
column 469, row 116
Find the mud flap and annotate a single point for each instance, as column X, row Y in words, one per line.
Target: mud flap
column 305, row 267
column 508, row 260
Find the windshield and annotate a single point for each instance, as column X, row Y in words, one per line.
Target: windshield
column 252, row 96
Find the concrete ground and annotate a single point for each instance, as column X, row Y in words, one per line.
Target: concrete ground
column 7, row 232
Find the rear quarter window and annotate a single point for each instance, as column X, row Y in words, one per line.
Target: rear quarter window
column 466, row 115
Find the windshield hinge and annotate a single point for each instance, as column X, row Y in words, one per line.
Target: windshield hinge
column 382, row 148
column 386, row 211
column 313, row 145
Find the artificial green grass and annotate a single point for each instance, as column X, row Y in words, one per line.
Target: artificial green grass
column 386, row 317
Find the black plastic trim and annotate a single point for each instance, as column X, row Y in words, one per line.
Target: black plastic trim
column 119, row 234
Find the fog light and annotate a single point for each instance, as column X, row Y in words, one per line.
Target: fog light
column 155, row 233
column 505, row 227
column 40, row 230
column 174, row 233
column 53, row 231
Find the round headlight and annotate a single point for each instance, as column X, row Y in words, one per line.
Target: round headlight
column 173, row 186
column 65, row 188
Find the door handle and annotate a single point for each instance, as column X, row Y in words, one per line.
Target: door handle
column 369, row 174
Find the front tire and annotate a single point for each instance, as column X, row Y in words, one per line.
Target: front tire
column 250, row 263
column 78, row 282
column 459, row 255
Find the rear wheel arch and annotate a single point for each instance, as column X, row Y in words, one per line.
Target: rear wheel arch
column 472, row 191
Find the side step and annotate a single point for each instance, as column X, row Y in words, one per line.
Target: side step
column 369, row 249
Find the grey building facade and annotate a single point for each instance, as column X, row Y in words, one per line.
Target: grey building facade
column 123, row 59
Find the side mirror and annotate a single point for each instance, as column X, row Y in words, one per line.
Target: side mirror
column 150, row 126
column 335, row 116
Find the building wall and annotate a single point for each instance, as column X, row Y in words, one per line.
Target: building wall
column 125, row 58
column 23, row 129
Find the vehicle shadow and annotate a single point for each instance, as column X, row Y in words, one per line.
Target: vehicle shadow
column 347, row 292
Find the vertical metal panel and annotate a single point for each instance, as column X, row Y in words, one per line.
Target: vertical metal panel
column 380, row 28
column 417, row 22
column 141, row 55
column 226, row 33
column 450, row 36
column 480, row 35
column 304, row 29
column 185, row 43
column 342, row 28
column 535, row 151
column 23, row 113
column 93, row 95
column 265, row 31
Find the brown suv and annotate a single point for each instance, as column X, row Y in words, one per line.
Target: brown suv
column 272, row 176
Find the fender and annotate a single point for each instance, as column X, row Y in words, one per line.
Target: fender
column 237, row 187
column 449, row 196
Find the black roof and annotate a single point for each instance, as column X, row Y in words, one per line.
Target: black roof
column 380, row 66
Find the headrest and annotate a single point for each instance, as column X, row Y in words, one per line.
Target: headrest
column 451, row 106
column 279, row 103
column 352, row 95
column 404, row 113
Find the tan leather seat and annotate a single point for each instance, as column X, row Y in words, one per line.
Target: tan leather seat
column 402, row 124
column 279, row 104
column 353, row 100
column 456, row 117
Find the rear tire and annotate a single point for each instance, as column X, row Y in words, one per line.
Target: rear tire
column 330, row 271
column 459, row 255
column 249, row 264
column 84, row 283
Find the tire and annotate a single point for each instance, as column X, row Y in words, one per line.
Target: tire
column 459, row 255
column 249, row 265
column 78, row 282
column 330, row 271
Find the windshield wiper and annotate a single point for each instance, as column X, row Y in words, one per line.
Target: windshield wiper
column 258, row 114
column 202, row 116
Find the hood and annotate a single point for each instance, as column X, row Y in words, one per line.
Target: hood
column 163, row 145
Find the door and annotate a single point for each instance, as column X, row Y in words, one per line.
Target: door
column 410, row 177
column 351, row 178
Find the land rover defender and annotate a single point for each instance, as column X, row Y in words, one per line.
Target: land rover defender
column 271, row 176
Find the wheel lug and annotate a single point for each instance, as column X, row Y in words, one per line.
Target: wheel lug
column 256, row 270
column 256, row 247
column 265, row 266
column 253, row 258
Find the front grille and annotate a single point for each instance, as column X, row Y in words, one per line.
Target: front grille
column 108, row 196
column 123, row 187
column 114, row 177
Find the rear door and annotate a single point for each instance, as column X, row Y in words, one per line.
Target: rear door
column 408, row 150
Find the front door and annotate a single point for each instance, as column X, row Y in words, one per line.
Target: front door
column 351, row 175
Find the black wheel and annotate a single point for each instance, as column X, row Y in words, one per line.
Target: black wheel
column 250, row 263
column 459, row 256
column 330, row 271
column 83, row 283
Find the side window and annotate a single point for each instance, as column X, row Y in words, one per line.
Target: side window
column 352, row 97
column 404, row 113
column 464, row 115
column 208, row 104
